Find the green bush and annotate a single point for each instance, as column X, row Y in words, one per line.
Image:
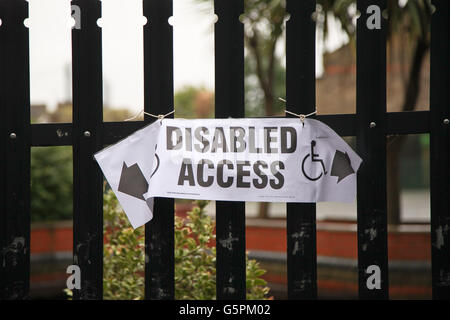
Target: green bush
column 51, row 184
column 195, row 257
column 123, row 253
column 195, row 260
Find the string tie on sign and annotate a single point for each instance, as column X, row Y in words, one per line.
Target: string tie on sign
column 302, row 117
column 159, row 116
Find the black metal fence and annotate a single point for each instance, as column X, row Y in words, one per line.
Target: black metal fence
column 88, row 134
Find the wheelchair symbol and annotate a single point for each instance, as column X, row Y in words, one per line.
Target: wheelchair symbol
column 314, row 158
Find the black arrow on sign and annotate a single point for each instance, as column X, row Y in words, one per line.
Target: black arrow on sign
column 341, row 166
column 132, row 181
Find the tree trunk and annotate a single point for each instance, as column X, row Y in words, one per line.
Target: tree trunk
column 395, row 144
column 268, row 103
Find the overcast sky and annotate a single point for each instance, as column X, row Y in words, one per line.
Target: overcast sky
column 50, row 50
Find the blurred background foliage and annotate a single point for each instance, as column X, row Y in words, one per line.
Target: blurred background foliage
column 194, row 102
column 51, row 183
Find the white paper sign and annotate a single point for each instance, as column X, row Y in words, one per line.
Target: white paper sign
column 128, row 166
column 268, row 160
